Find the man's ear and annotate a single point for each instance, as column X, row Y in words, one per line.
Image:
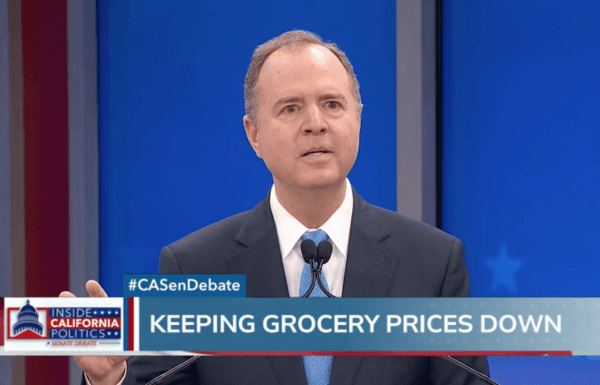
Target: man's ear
column 252, row 134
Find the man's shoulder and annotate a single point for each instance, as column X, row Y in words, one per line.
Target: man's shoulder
column 204, row 251
column 216, row 235
column 225, row 235
column 402, row 227
column 209, row 248
column 430, row 262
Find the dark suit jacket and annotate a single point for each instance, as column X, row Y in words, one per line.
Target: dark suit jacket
column 389, row 256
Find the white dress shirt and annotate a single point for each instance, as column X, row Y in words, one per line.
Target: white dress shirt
column 289, row 231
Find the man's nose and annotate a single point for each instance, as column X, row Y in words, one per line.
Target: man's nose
column 315, row 121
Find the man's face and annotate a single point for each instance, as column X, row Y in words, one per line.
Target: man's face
column 308, row 126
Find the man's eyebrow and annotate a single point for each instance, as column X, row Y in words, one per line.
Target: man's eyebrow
column 292, row 99
column 332, row 97
column 297, row 99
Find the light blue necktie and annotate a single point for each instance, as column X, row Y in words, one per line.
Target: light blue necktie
column 318, row 368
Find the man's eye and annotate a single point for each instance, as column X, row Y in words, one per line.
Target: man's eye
column 333, row 104
column 291, row 108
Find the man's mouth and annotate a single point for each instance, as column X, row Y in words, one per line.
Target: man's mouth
column 316, row 153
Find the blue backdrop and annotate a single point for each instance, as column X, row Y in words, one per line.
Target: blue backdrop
column 520, row 167
column 173, row 152
column 520, row 159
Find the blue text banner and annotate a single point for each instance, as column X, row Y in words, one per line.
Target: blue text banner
column 370, row 325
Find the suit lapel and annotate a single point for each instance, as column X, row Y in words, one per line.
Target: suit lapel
column 370, row 265
column 262, row 263
column 263, row 266
column 370, row 268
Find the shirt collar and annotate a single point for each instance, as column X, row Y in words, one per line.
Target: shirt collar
column 289, row 229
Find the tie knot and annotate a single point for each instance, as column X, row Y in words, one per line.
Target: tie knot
column 316, row 236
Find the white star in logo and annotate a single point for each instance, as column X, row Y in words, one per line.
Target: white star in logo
column 504, row 270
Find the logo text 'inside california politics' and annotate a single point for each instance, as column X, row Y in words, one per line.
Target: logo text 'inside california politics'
column 40, row 320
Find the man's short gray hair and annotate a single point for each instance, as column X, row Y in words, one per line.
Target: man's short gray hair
column 291, row 39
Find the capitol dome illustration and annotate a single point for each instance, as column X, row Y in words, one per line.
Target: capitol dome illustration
column 27, row 319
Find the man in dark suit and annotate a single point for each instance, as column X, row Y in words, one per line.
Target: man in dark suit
column 303, row 119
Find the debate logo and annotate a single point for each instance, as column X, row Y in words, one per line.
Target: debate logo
column 64, row 326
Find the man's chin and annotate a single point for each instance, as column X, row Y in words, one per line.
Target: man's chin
column 324, row 183
column 323, row 187
column 314, row 181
